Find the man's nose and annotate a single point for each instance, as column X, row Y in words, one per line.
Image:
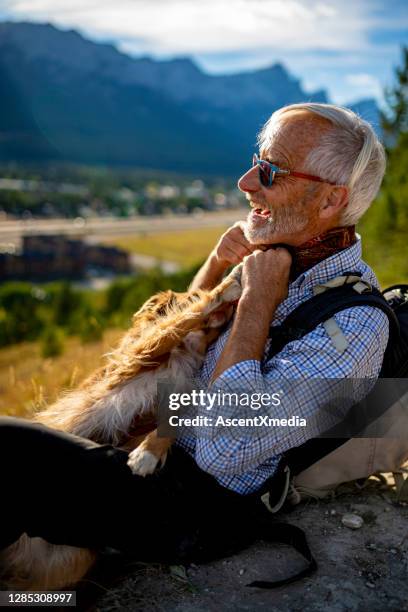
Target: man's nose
column 249, row 182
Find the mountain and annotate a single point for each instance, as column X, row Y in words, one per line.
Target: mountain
column 368, row 109
column 64, row 97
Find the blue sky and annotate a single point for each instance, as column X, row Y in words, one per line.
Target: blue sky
column 348, row 47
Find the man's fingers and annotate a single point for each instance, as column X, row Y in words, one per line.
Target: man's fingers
column 237, row 233
column 238, row 236
column 279, row 257
column 232, row 256
column 233, row 247
column 256, row 253
column 239, row 247
column 284, row 256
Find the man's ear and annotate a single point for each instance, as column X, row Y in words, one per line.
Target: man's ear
column 336, row 200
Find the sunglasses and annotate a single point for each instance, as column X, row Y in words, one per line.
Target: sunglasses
column 268, row 171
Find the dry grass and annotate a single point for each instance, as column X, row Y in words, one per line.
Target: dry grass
column 28, row 381
column 186, row 247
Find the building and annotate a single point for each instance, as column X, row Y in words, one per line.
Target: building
column 51, row 257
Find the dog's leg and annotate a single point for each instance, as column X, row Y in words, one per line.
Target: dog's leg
column 229, row 290
column 147, row 456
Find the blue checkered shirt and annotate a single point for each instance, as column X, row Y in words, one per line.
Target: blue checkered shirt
column 244, row 463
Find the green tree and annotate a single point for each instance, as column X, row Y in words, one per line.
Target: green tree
column 394, row 118
column 65, row 302
column 52, row 343
column 394, row 194
column 20, row 318
column 385, row 226
column 91, row 327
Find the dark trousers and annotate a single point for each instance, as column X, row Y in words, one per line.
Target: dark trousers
column 69, row 490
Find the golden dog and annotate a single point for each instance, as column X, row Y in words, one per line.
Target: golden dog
column 170, row 335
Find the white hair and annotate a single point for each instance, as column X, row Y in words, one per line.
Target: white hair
column 348, row 154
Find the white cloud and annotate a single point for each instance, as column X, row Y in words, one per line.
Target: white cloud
column 367, row 84
column 183, row 26
column 362, row 80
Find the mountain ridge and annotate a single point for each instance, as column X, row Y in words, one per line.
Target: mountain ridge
column 93, row 104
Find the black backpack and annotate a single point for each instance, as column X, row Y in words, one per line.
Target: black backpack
column 318, row 309
column 305, row 318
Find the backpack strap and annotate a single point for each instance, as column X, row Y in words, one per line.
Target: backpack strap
column 285, row 533
column 321, row 308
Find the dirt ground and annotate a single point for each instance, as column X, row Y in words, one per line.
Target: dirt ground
column 363, row 569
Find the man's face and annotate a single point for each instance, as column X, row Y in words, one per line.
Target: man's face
column 288, row 211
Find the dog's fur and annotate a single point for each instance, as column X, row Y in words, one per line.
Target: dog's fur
column 169, row 335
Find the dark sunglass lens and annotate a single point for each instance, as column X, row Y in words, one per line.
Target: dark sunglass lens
column 265, row 174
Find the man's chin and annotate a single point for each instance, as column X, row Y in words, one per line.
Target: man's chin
column 258, row 235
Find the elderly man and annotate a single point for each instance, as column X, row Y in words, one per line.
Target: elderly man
column 319, row 168
column 336, row 165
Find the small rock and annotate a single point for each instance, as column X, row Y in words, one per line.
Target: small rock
column 370, row 585
column 178, row 572
column 393, row 551
column 352, row 521
column 241, row 572
column 387, row 509
column 333, row 512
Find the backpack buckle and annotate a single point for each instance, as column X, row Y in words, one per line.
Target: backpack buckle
column 362, row 287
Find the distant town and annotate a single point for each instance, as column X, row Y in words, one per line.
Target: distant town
column 53, row 218
column 72, row 192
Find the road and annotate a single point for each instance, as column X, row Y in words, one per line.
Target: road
column 97, row 228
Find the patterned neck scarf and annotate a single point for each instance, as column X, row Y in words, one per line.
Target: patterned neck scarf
column 307, row 255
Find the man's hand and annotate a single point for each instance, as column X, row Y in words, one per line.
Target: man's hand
column 232, row 247
column 230, row 250
column 265, row 280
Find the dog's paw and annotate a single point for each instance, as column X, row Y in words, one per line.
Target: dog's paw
column 236, row 273
column 142, row 462
column 229, row 291
column 232, row 292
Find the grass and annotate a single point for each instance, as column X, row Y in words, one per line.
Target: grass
column 28, row 381
column 387, row 257
column 186, row 247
